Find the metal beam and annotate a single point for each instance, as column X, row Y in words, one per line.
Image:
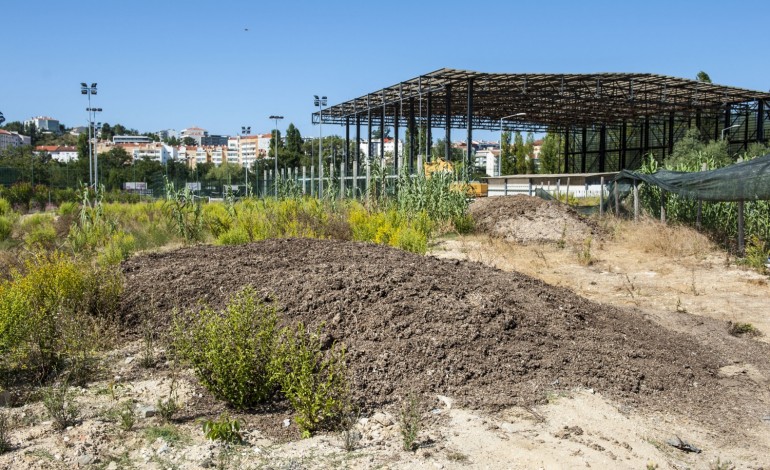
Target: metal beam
column 429, row 129
column 584, row 150
column 347, row 143
column 623, row 145
column 566, row 150
column 412, row 137
column 469, row 150
column 761, row 121
column 395, row 140
column 448, row 128
column 602, row 148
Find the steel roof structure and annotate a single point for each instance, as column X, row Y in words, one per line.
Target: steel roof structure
column 574, row 104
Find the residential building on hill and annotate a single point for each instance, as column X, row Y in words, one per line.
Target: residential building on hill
column 196, row 133
column 44, row 124
column 12, row 139
column 131, row 139
column 59, row 153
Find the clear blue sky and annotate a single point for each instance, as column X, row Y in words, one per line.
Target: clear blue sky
column 162, row 64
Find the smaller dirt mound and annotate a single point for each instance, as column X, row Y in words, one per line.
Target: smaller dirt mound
column 526, row 219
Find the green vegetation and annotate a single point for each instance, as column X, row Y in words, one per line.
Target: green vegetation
column 59, row 401
column 720, row 219
column 5, row 432
column 223, row 429
column 167, row 432
column 740, row 329
column 231, row 352
column 241, row 357
column 314, row 382
column 409, row 421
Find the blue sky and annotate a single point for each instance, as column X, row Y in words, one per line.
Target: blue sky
column 162, row 64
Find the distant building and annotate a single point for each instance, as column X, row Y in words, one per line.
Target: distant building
column 59, row 153
column 389, row 147
column 196, row 133
column 489, row 160
column 76, row 131
column 166, row 134
column 131, row 139
column 208, row 140
column 12, row 139
column 44, row 124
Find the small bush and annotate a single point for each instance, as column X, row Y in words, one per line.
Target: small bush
column 231, row 351
column 464, row 224
column 6, row 427
column 315, row 383
column 6, row 228
column 55, row 312
column 584, row 253
column 5, row 207
column 741, row 329
column 126, row 416
column 59, row 401
column 223, row 429
column 409, row 421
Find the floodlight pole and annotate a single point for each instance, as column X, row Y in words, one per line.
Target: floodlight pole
column 275, row 157
column 500, row 158
column 320, row 102
column 728, row 128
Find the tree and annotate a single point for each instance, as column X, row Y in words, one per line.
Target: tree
column 520, row 153
column 377, row 133
column 275, row 139
column 703, row 77
column 189, row 141
column 550, row 153
column 690, row 152
column 293, row 152
column 507, row 159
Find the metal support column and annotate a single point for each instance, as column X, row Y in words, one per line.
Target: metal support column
column 469, row 151
column 584, row 150
column 728, row 121
column 346, row 155
column 358, row 140
column 646, row 136
column 746, row 130
column 761, row 121
column 412, row 137
column 369, row 146
column 448, row 128
column 382, row 136
column 566, row 150
column 602, row 148
column 670, row 132
column 697, row 121
column 429, row 129
column 623, row 145
column 395, row 139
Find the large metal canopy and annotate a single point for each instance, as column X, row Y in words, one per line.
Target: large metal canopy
column 605, row 120
column 549, row 101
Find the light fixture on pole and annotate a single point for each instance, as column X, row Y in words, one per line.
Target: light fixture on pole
column 728, row 128
column 93, row 112
column 320, row 102
column 500, row 157
column 86, row 90
column 246, row 130
column 275, row 157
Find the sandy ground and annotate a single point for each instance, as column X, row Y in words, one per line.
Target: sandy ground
column 575, row 429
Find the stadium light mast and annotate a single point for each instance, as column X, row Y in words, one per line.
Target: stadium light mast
column 320, row 103
column 86, row 90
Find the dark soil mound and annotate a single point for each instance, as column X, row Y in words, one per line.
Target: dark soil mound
column 526, row 219
column 487, row 338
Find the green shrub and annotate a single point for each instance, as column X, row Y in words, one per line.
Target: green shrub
column 68, row 208
column 463, row 224
column 59, row 401
column 54, row 313
column 314, row 382
column 6, row 228
column 223, row 429
column 5, row 207
column 234, row 236
column 118, row 248
column 231, row 351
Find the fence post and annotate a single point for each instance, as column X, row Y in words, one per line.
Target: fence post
column 304, row 178
column 662, row 206
column 355, row 180
column 601, row 196
column 617, row 199
column 505, row 186
column 566, row 194
column 741, row 234
column 530, row 187
column 342, row 179
column 558, row 189
column 636, row 201
column 312, row 186
column 368, row 178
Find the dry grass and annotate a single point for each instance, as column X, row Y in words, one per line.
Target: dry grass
column 675, row 241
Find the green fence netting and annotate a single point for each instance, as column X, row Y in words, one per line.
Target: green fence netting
column 744, row 181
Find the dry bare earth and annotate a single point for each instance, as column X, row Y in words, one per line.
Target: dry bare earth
column 529, row 375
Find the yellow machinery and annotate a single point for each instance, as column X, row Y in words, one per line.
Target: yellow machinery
column 473, row 189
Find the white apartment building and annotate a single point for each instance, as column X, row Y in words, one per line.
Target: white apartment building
column 44, row 124
column 489, row 160
column 62, row 154
column 131, row 139
column 12, row 139
column 196, row 133
column 389, row 147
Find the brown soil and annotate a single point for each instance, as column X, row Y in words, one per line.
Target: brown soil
column 525, row 219
column 487, row 338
